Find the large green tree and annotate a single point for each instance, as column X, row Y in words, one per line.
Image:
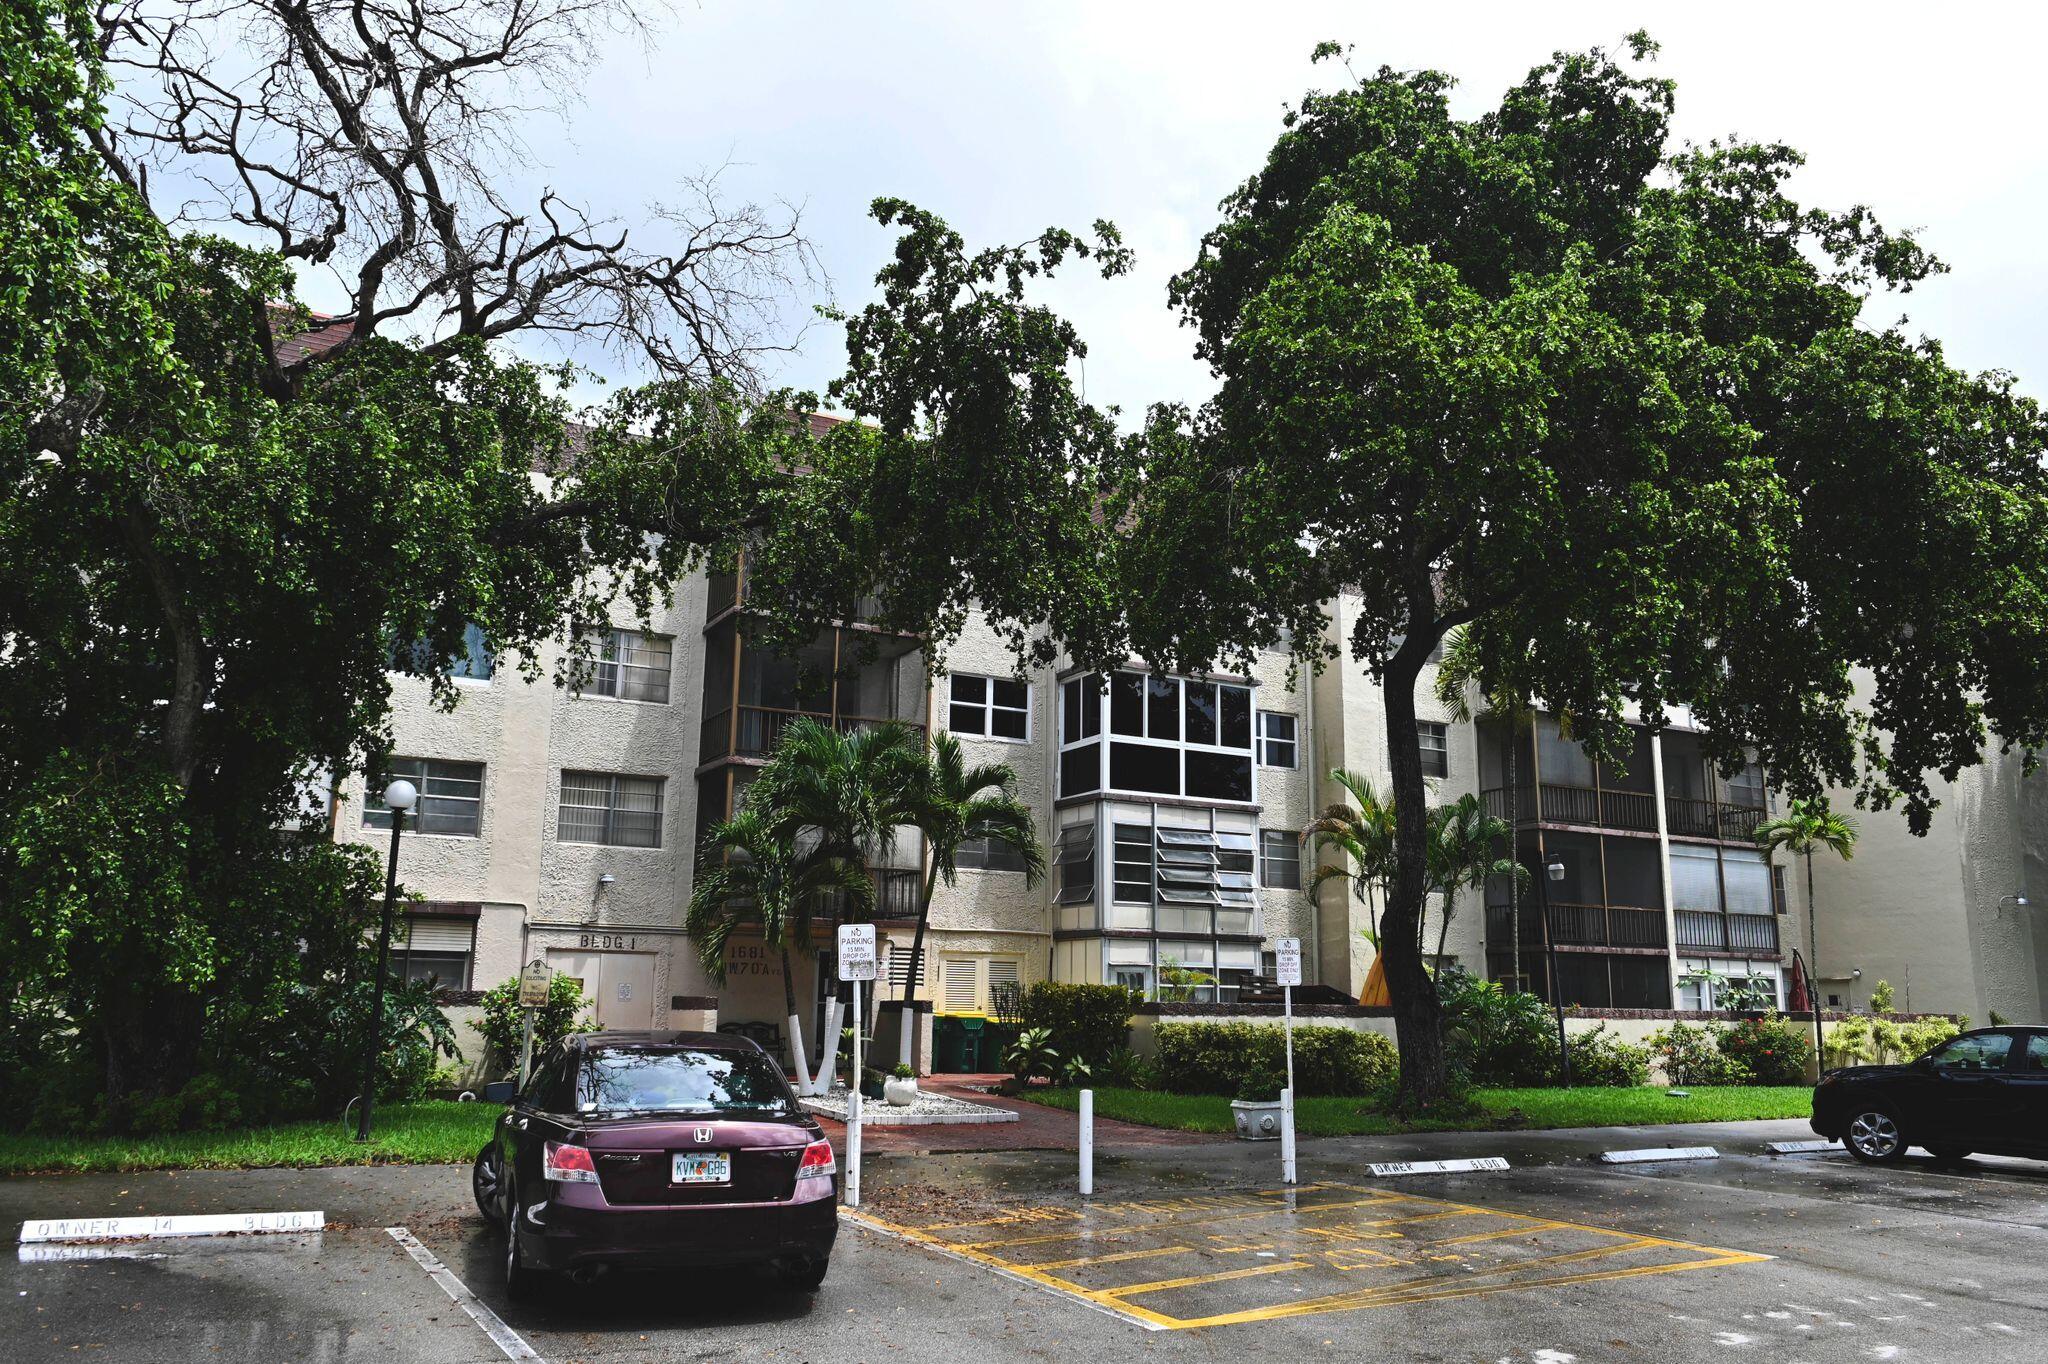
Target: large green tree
column 218, row 512
column 1610, row 403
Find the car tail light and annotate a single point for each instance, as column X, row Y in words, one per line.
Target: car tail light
column 566, row 1164
column 817, row 1162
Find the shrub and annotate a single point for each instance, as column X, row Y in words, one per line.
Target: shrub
column 1088, row 1021
column 504, row 1027
column 1881, row 998
column 1249, row 1060
column 1858, row 1041
column 1032, row 1054
column 1495, row 1036
column 1771, row 1049
column 1690, row 1055
column 1600, row 1058
column 1125, row 1069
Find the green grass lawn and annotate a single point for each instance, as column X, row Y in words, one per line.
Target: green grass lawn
column 426, row 1133
column 1496, row 1109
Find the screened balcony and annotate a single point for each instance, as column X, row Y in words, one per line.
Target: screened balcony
column 847, row 678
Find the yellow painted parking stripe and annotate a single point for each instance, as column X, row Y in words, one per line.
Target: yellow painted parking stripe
column 1174, row 1227
column 1529, row 1230
column 1194, row 1280
column 1113, row 1259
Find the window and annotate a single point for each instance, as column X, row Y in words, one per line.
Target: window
column 1279, row 860
column 1436, row 748
column 2037, row 1053
column 474, row 662
column 1175, row 737
column 451, row 797
column 1133, row 866
column 632, row 666
column 434, row 949
column 1983, row 1051
column 1276, row 739
column 1075, row 864
column 1004, row 973
column 1080, row 726
column 959, row 985
column 1136, row 978
column 599, row 807
column 989, row 854
column 989, row 707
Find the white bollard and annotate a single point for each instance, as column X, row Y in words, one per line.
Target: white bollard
column 1087, row 1142
column 1287, row 1135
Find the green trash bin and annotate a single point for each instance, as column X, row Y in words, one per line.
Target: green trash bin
column 946, row 1035
column 970, row 1045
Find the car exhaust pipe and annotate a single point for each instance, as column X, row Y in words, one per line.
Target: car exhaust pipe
column 585, row 1275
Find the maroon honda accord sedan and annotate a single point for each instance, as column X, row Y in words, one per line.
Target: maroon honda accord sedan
column 657, row 1150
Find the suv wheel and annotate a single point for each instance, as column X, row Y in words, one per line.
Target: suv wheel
column 1874, row 1136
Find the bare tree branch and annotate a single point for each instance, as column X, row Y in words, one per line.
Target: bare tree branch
column 376, row 137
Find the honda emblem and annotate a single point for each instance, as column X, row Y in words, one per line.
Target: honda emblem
column 703, row 1134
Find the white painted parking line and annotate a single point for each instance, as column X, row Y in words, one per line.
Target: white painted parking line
column 1800, row 1148
column 1392, row 1168
column 133, row 1228
column 1648, row 1153
column 502, row 1336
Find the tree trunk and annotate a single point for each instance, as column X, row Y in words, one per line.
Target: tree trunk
column 796, row 1023
column 1418, row 1018
column 907, row 1054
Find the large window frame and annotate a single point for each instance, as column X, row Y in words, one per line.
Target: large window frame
column 627, row 670
column 977, row 703
column 1203, row 729
column 449, row 798
column 616, row 827
column 1279, row 860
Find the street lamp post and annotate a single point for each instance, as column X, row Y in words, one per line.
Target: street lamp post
column 1554, row 871
column 399, row 797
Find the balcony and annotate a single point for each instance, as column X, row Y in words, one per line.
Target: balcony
column 1579, row 925
column 1636, row 811
column 1581, row 805
column 898, row 891
column 1708, row 931
column 760, row 727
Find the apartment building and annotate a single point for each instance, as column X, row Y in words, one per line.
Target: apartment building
column 565, row 825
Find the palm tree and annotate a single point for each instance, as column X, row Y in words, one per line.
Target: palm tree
column 1462, row 838
column 1805, row 826
column 1456, row 676
column 845, row 795
column 952, row 803
column 752, row 875
column 1363, row 834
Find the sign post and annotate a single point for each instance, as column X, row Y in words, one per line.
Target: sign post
column 856, row 964
column 536, row 983
column 1287, row 966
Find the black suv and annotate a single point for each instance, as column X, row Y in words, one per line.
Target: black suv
column 1984, row 1090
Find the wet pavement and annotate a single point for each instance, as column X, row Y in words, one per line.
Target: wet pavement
column 1186, row 1252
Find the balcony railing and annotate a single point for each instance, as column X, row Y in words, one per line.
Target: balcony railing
column 1714, row 932
column 1688, row 816
column 1574, row 925
column 761, row 727
column 897, row 893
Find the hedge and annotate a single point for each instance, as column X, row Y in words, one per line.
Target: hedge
column 1249, row 1060
column 1086, row 1021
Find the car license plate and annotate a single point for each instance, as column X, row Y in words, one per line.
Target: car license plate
column 702, row 1167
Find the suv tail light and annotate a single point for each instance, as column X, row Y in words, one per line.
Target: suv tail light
column 566, row 1164
column 817, row 1162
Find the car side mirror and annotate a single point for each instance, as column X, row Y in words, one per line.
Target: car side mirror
column 500, row 1092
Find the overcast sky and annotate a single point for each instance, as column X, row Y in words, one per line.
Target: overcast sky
column 1007, row 118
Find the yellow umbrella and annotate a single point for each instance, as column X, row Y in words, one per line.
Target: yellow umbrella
column 1375, row 995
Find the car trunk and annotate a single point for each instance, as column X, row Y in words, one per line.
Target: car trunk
column 635, row 1160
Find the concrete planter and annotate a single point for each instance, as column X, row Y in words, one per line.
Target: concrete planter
column 902, row 1093
column 1256, row 1121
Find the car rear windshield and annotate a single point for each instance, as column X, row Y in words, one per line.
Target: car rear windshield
column 676, row 1080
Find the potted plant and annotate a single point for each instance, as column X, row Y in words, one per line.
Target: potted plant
column 900, row 1088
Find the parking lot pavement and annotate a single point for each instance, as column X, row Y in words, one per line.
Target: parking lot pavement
column 1556, row 1262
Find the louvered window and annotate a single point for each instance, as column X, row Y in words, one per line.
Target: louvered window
column 959, row 977
column 1076, row 864
column 600, row 807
